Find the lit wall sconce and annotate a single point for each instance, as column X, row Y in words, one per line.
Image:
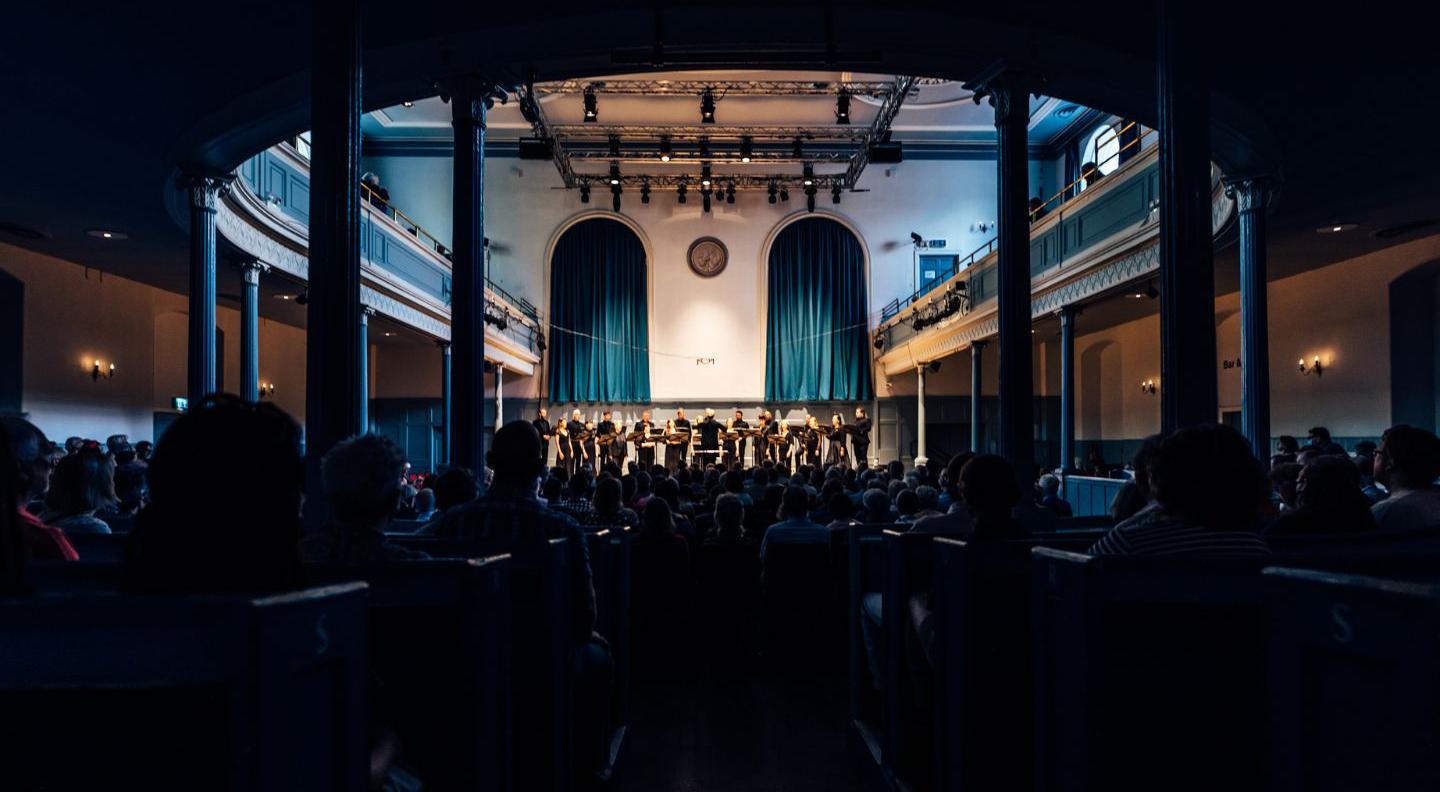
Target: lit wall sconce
column 97, row 371
column 1315, row 367
column 1149, row 386
column 267, row 389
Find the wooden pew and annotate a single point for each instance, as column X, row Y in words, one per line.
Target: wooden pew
column 112, row 691
column 1146, row 673
column 440, row 649
column 610, row 558
column 1353, row 692
column 865, row 576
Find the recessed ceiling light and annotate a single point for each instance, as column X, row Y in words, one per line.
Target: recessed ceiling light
column 105, row 233
column 388, row 334
column 407, row 104
column 1337, row 228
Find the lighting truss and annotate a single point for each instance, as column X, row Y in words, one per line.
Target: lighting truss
column 820, row 143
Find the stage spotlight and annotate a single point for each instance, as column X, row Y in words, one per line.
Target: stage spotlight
column 917, row 239
column 592, row 106
column 665, row 149
column 784, row 194
column 842, row 107
column 645, row 193
column 879, row 341
column 1151, row 291
column 614, row 145
column 705, row 175
column 615, row 198
column 707, row 107
column 680, row 192
column 810, row 198
column 706, row 196
column 747, row 148
column 584, row 193
column 934, row 367
column 809, row 175
column 614, row 175
column 835, row 194
column 770, row 193
column 730, row 193
column 797, row 148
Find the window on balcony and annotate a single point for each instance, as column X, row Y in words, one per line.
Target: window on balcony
column 302, row 144
column 1103, row 148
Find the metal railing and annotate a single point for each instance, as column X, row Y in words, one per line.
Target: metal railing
column 403, row 220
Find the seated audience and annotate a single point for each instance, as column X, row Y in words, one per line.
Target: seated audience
column 362, row 477
column 907, row 503
column 455, row 487
column 222, row 522
column 1365, row 466
column 1407, row 463
column 81, row 484
column 842, row 511
column 12, row 539
column 1050, row 499
column 609, row 511
column 1328, row 501
column 32, row 454
column 1283, row 479
column 928, row 503
column 1319, row 439
column 795, row 526
column 1209, row 498
column 132, row 490
column 576, row 499
column 425, row 505
column 876, row 508
column 1135, row 494
column 990, row 493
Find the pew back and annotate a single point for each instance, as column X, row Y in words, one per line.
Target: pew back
column 185, row 692
column 1352, row 685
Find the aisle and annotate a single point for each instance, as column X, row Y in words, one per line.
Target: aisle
column 740, row 734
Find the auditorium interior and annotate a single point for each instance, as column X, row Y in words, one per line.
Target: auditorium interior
column 831, row 395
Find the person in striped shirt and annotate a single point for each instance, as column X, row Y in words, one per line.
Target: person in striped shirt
column 1209, row 495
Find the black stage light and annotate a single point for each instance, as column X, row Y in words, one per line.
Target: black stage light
column 771, row 193
column 706, row 195
column 614, row 145
column 680, row 192
column 934, row 367
column 842, row 107
column 645, row 193
column 810, row 198
column 615, row 198
column 809, row 175
column 784, row 194
column 747, row 148
column 592, row 106
column 665, row 149
column 835, row 194
column 879, row 341
column 705, row 176
column 797, row 148
column 707, row 107
column 917, row 239
column 614, row 175
column 584, row 193
column 730, row 193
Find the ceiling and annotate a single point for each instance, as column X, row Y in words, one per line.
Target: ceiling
column 109, row 101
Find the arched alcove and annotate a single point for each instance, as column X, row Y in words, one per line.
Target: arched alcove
column 599, row 349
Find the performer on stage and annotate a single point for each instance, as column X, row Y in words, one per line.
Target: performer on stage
column 709, row 430
column 837, row 455
column 860, row 438
column 674, row 456
column 682, row 424
column 542, row 428
column 645, row 450
column 810, row 441
column 592, row 457
column 769, row 427
column 575, row 454
column 735, row 449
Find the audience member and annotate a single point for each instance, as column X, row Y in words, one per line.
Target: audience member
column 1328, row 501
column 907, row 504
column 1407, row 463
column 1209, row 495
column 82, row 484
column 1319, row 438
column 576, row 500
column 842, row 511
column 363, row 485
column 1050, row 499
column 455, row 487
column 609, row 510
column 876, row 508
column 927, row 502
column 31, row 452
column 1283, row 479
column 425, row 510
column 990, row 493
column 225, row 486
column 794, row 526
column 1365, row 467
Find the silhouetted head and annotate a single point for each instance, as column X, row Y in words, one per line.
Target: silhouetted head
column 796, row 503
column 729, row 514
column 988, row 487
column 362, row 478
column 454, row 487
column 81, row 484
column 1206, row 475
column 31, row 454
column 608, row 494
column 658, row 519
column 1408, row 458
column 514, row 454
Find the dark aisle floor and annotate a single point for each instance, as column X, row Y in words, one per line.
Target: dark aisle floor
column 750, row 733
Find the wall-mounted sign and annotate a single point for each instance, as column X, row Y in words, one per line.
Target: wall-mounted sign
column 708, row 257
column 179, row 403
column 936, row 243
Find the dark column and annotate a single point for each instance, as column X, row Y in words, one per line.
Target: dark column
column 363, row 350
column 977, row 378
column 444, row 401
column 467, row 302
column 1188, row 392
column 205, row 193
column 1252, row 197
column 250, row 272
column 1009, row 94
column 1067, row 387
column 332, row 369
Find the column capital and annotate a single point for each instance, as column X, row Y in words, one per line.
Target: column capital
column 251, row 269
column 1067, row 313
column 366, row 312
column 470, row 95
column 1252, row 192
column 443, row 344
column 978, row 345
column 1003, row 84
column 205, row 190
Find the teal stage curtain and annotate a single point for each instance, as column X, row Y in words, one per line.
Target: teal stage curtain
column 599, row 327
column 817, row 337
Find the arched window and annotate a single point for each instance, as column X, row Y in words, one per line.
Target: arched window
column 599, row 315
column 817, row 334
column 1103, row 148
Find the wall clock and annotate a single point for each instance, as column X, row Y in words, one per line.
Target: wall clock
column 708, row 257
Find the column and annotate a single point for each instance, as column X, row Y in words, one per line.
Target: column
column 1188, row 391
column 444, row 401
column 364, row 352
column 467, row 302
column 920, row 457
column 205, row 193
column 1252, row 198
column 499, row 396
column 1067, row 387
column 333, row 375
column 1009, row 94
column 250, row 272
column 977, row 350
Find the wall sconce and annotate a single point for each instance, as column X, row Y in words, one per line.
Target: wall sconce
column 96, row 372
column 1149, row 386
column 266, row 389
column 1316, row 367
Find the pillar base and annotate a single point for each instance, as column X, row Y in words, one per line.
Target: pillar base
column 921, row 461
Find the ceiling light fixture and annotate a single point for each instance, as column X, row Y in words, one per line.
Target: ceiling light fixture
column 809, row 175
column 645, row 193
column 707, row 107
column 665, row 149
column 407, row 104
column 105, row 233
column 730, row 193
column 680, row 192
column 1337, row 228
column 842, row 107
column 592, row 106
column 797, row 148
column 614, row 145
column 585, row 193
column 784, row 194
column 705, row 176
column 706, row 196
column 614, row 174
column 747, row 148
column 835, row 194
column 770, row 192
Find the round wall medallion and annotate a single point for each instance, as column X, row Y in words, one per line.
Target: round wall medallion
column 708, row 257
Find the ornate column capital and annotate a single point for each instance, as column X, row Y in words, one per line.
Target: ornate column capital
column 1004, row 84
column 978, row 346
column 1252, row 192
column 470, row 95
column 205, row 190
column 443, row 345
column 1067, row 313
column 251, row 269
